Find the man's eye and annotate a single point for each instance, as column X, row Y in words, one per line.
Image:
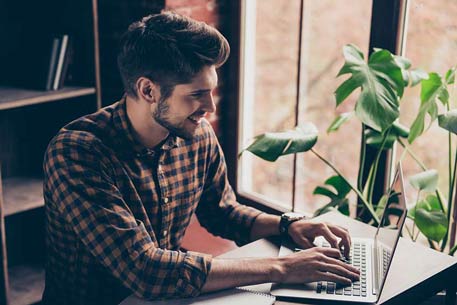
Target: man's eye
column 197, row 95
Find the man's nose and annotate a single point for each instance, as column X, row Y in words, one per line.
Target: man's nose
column 209, row 105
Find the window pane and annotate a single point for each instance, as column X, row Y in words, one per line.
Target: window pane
column 431, row 44
column 270, row 71
column 328, row 26
column 270, row 58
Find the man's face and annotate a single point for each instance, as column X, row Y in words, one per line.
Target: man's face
column 183, row 111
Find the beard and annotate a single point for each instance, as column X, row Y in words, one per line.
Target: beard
column 160, row 114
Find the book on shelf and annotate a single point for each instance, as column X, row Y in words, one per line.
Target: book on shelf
column 52, row 63
column 42, row 63
column 62, row 63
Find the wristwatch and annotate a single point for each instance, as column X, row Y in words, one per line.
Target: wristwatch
column 286, row 220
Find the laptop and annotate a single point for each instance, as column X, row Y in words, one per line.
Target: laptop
column 372, row 256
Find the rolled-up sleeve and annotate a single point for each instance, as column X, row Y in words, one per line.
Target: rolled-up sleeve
column 79, row 183
column 218, row 211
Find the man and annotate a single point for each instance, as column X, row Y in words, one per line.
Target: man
column 122, row 184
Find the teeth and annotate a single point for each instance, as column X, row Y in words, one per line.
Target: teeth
column 195, row 118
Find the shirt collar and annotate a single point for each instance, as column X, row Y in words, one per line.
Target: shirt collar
column 126, row 140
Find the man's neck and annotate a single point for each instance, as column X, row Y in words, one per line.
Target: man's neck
column 145, row 129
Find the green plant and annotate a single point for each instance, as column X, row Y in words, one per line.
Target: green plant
column 382, row 81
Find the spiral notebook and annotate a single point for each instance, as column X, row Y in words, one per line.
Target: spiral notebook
column 236, row 296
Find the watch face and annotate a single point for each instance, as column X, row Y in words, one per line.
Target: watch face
column 293, row 216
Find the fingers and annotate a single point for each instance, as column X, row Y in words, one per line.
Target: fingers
column 331, row 256
column 345, row 241
column 304, row 243
column 330, row 252
column 341, row 264
column 328, row 235
column 339, row 270
column 336, row 236
column 331, row 277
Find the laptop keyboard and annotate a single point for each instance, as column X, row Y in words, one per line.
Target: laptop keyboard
column 357, row 258
column 385, row 260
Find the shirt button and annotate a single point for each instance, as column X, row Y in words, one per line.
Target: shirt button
column 165, row 200
column 164, row 233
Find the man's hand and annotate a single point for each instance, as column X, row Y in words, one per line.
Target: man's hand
column 316, row 264
column 303, row 233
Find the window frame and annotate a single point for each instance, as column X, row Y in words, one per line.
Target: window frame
column 385, row 13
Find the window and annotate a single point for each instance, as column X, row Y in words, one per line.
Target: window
column 431, row 44
column 271, row 55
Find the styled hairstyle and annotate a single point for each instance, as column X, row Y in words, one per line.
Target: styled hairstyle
column 169, row 49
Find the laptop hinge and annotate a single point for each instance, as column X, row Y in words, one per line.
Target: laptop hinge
column 374, row 260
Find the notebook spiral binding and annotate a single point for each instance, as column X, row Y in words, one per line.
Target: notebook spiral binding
column 257, row 292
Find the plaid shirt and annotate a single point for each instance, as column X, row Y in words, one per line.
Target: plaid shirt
column 116, row 212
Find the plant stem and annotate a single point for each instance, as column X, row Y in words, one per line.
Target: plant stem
column 375, row 165
column 417, row 235
column 363, row 152
column 415, row 209
column 452, row 219
column 452, row 251
column 449, row 207
column 367, row 204
column 424, row 168
column 413, row 155
column 409, row 232
column 432, row 244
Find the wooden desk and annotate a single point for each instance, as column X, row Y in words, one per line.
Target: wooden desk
column 417, row 272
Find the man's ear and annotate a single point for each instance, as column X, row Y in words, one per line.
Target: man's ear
column 147, row 90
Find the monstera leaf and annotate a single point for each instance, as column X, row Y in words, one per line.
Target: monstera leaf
column 432, row 90
column 339, row 120
column 271, row 145
column 337, row 199
column 375, row 138
column 429, row 218
column 381, row 81
column 448, row 121
column 425, row 181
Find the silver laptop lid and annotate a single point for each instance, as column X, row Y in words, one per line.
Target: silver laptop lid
column 389, row 229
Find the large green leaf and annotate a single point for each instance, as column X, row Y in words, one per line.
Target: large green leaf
column 448, row 121
column 416, row 76
column 432, row 90
column 430, row 203
column 412, row 77
column 433, row 224
column 336, row 189
column 429, row 218
column 339, row 120
column 425, row 181
column 450, row 76
column 381, row 82
column 375, row 138
column 271, row 145
column 381, row 205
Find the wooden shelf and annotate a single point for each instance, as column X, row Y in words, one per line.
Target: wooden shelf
column 26, row 284
column 17, row 97
column 22, row 194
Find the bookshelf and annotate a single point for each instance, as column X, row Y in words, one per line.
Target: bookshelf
column 30, row 117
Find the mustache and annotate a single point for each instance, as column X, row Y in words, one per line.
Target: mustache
column 199, row 113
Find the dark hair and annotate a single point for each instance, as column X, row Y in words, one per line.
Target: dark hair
column 169, row 49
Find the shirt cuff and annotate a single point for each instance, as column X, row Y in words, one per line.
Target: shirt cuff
column 246, row 222
column 193, row 274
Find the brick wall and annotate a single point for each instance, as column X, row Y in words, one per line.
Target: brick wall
column 197, row 238
column 206, row 11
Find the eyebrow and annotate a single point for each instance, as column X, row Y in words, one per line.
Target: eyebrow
column 200, row 91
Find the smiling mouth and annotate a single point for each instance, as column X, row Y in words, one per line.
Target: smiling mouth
column 196, row 119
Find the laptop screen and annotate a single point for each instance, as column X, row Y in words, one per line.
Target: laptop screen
column 389, row 228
